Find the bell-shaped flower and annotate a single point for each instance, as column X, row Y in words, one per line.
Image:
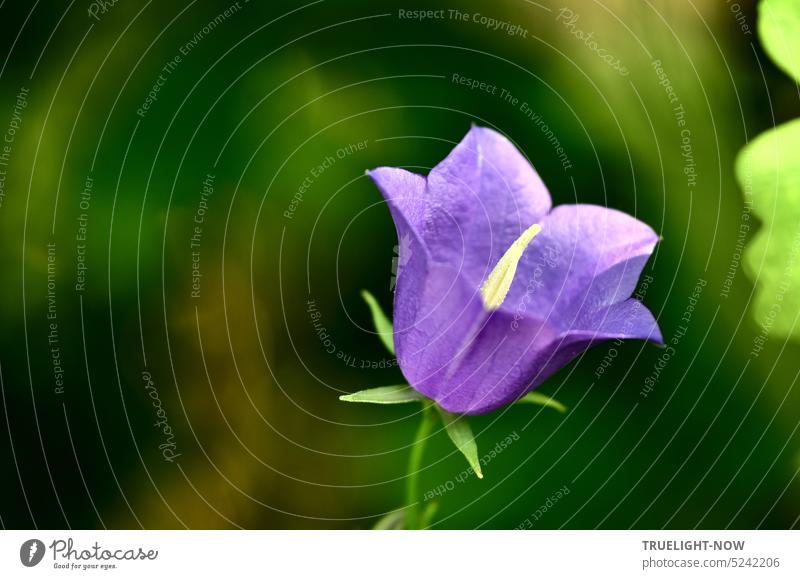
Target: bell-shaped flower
column 496, row 289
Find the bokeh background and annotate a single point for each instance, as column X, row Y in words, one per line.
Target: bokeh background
column 262, row 129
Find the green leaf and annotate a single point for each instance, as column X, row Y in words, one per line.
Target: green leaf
column 382, row 324
column 460, row 433
column 768, row 170
column 397, row 394
column 393, row 521
column 542, row 400
column 779, row 31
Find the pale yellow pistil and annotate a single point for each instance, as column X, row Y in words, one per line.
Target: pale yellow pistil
column 495, row 288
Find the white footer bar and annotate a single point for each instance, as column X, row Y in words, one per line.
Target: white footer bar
column 370, row 554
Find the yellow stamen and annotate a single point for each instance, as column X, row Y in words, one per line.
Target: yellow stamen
column 495, row 288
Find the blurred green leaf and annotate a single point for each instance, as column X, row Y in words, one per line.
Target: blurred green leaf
column 396, row 394
column 460, row 433
column 768, row 171
column 779, row 31
column 769, row 167
column 542, row 400
column 382, row 324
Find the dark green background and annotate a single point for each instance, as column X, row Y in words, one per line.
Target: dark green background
column 246, row 384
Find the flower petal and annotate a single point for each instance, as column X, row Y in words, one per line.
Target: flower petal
column 404, row 192
column 511, row 357
column 571, row 291
column 473, row 205
column 571, row 288
column 585, row 259
column 502, row 359
column 628, row 320
column 480, row 199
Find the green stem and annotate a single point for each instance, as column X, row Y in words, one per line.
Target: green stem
column 414, row 463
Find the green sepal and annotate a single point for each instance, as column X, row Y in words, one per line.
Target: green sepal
column 460, row 433
column 383, row 326
column 397, row 394
column 542, row 400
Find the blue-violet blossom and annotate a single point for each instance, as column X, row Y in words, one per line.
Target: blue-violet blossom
column 497, row 290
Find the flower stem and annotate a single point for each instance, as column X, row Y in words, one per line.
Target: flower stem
column 414, row 462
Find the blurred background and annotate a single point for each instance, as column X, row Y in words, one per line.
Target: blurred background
column 185, row 227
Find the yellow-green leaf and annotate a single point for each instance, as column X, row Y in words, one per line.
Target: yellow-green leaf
column 779, row 32
column 768, row 170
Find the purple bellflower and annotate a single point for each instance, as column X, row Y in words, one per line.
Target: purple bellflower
column 497, row 290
